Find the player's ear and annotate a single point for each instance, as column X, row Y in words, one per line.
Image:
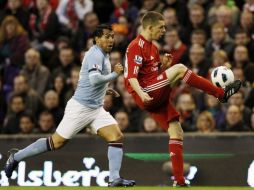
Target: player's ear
column 150, row 27
column 97, row 40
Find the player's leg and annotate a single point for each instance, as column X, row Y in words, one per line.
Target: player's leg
column 38, row 147
column 113, row 136
column 75, row 118
column 107, row 128
column 181, row 72
column 168, row 117
column 176, row 150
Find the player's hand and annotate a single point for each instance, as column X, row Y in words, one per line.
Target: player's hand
column 118, row 68
column 112, row 92
column 166, row 61
column 146, row 99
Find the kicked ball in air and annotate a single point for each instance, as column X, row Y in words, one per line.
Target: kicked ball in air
column 222, row 76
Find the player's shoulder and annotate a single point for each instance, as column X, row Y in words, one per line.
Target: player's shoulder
column 137, row 43
column 95, row 53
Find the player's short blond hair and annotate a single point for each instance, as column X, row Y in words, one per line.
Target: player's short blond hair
column 151, row 18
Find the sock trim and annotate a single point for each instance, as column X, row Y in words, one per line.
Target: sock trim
column 50, row 144
column 116, row 144
column 187, row 75
column 175, row 141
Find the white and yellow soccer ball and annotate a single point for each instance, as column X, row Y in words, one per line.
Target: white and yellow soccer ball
column 222, row 76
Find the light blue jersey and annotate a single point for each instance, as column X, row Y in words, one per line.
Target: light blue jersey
column 94, row 76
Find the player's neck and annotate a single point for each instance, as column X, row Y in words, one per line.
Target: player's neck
column 146, row 35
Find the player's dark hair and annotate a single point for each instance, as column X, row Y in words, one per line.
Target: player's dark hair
column 99, row 31
column 151, row 18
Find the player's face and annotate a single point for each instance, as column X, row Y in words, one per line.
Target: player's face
column 106, row 41
column 158, row 30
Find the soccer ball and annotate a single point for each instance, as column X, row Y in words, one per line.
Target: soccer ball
column 222, row 76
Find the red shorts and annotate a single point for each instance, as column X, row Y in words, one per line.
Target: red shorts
column 161, row 107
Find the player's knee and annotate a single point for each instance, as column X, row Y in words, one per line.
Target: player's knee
column 175, row 130
column 116, row 137
column 58, row 143
column 177, row 134
column 181, row 68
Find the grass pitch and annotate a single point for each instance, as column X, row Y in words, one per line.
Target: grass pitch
column 121, row 188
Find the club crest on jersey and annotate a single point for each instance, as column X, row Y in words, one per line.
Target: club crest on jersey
column 138, row 59
column 95, row 66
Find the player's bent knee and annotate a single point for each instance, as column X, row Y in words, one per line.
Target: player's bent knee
column 176, row 72
column 111, row 133
column 58, row 144
column 58, row 141
column 181, row 68
column 117, row 137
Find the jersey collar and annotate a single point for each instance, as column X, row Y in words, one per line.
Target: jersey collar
column 142, row 37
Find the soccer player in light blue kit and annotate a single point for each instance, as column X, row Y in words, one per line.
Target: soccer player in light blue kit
column 85, row 108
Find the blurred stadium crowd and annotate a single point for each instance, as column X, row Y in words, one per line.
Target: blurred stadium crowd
column 42, row 44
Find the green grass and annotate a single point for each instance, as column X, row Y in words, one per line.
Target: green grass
column 131, row 188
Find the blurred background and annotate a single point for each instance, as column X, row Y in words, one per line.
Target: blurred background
column 43, row 42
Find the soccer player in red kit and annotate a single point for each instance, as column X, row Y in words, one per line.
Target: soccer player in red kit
column 150, row 81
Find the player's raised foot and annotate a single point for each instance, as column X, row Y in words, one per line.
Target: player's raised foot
column 175, row 184
column 120, row 182
column 11, row 164
column 230, row 90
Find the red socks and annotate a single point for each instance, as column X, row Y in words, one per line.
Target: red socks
column 176, row 154
column 203, row 84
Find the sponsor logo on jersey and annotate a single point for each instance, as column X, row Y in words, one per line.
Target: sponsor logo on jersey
column 138, row 59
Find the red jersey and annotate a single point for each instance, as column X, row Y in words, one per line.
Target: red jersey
column 142, row 62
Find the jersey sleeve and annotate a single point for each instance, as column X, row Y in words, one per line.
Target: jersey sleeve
column 94, row 62
column 133, row 62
